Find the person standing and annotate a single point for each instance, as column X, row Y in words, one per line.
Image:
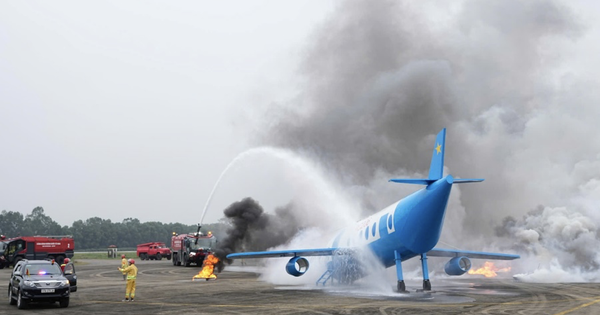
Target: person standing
column 123, row 266
column 64, row 264
column 131, row 272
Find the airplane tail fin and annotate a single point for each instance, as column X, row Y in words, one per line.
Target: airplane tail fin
column 436, row 168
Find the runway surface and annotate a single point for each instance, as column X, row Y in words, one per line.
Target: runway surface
column 165, row 289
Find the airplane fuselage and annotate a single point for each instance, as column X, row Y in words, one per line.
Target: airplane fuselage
column 411, row 226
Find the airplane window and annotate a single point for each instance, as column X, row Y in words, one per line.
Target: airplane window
column 367, row 233
column 389, row 222
column 374, row 228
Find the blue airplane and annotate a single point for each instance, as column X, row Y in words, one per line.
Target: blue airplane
column 408, row 228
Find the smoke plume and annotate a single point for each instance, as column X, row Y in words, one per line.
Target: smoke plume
column 380, row 79
column 254, row 230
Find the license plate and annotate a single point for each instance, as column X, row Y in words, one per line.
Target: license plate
column 47, row 290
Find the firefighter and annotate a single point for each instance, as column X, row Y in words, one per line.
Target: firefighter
column 131, row 272
column 123, row 266
column 65, row 262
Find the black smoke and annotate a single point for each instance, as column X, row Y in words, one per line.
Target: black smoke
column 251, row 229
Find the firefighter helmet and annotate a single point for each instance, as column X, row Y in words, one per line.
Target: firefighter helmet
column 122, row 256
column 66, row 261
column 131, row 261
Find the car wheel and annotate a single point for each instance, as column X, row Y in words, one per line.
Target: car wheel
column 11, row 300
column 158, row 256
column 64, row 302
column 169, row 257
column 21, row 304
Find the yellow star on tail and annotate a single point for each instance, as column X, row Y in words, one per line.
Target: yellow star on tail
column 438, row 148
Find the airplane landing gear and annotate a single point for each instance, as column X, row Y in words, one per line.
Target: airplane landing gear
column 426, row 285
column 401, row 287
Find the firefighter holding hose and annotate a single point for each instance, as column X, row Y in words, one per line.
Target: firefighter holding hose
column 131, row 272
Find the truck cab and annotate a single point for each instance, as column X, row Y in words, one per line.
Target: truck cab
column 192, row 248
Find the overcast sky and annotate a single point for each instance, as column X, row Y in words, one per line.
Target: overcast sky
column 134, row 108
column 123, row 109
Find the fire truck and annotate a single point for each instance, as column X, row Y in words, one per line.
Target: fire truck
column 36, row 248
column 192, row 248
column 153, row 250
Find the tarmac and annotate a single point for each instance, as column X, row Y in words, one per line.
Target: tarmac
column 166, row 289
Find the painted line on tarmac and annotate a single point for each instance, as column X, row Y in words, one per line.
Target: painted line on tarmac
column 578, row 307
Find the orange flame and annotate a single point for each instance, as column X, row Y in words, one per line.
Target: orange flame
column 208, row 266
column 489, row 270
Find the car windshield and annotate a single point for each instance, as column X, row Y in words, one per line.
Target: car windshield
column 43, row 269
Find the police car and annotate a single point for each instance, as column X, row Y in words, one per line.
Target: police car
column 33, row 281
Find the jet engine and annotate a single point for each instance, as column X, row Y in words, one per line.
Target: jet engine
column 297, row 266
column 457, row 266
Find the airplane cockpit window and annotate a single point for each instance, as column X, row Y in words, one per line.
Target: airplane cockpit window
column 367, row 233
column 390, row 221
column 374, row 229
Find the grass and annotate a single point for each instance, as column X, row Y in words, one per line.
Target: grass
column 103, row 255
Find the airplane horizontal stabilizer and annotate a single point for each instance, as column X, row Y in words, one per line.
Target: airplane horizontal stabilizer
column 285, row 253
column 412, row 181
column 467, row 180
column 440, row 252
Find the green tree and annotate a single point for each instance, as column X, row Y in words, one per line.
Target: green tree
column 38, row 223
column 11, row 223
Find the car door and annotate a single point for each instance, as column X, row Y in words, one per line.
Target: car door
column 15, row 278
column 70, row 274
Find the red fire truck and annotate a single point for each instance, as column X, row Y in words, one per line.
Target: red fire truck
column 153, row 250
column 192, row 248
column 37, row 247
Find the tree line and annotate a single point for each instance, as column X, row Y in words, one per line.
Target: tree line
column 97, row 233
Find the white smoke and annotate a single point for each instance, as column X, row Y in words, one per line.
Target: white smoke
column 382, row 78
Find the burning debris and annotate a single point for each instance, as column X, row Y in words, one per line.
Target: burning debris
column 489, row 270
column 208, row 267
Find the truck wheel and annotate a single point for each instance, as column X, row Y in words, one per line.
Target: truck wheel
column 169, row 257
column 59, row 259
column 158, row 256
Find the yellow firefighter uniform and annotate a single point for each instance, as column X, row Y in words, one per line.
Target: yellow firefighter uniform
column 131, row 273
column 123, row 266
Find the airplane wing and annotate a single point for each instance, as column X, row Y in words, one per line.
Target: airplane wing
column 440, row 252
column 285, row 253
